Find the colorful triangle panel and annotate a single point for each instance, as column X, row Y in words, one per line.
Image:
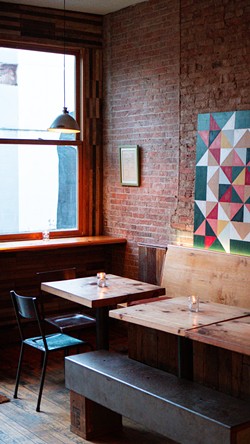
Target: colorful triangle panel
column 222, row 186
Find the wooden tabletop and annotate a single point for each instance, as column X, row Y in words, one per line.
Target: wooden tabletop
column 173, row 316
column 232, row 335
column 85, row 291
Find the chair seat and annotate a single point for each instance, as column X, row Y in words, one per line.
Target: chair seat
column 72, row 321
column 57, row 341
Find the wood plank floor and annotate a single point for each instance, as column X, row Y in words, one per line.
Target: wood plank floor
column 20, row 423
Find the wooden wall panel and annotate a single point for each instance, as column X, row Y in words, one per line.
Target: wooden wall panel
column 225, row 371
column 153, row 347
column 151, row 259
column 214, row 367
column 28, row 24
column 92, row 100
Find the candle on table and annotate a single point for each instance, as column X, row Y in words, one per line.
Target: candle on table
column 193, row 303
column 101, row 279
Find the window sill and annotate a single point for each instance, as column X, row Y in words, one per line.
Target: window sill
column 60, row 243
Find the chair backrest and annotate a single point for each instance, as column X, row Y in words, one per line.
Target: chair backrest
column 49, row 304
column 26, row 308
column 56, row 275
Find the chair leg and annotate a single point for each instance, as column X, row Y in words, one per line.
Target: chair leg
column 19, row 370
column 42, row 381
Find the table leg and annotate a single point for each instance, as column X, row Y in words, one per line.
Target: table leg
column 185, row 358
column 102, row 328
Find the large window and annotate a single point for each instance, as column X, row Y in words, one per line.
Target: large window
column 39, row 170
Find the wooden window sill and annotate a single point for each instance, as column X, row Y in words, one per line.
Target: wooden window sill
column 60, row 243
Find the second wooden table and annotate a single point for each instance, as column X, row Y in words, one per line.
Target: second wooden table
column 85, row 291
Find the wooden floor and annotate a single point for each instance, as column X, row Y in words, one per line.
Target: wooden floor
column 20, row 423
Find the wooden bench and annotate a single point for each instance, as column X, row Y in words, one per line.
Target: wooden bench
column 105, row 385
column 217, row 277
column 213, row 276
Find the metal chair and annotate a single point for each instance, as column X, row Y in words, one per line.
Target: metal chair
column 26, row 308
column 68, row 322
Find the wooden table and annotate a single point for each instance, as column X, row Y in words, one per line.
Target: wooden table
column 173, row 316
column 85, row 291
column 231, row 335
column 220, row 325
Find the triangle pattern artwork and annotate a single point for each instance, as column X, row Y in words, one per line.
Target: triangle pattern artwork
column 222, row 187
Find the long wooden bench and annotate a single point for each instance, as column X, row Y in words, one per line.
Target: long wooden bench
column 105, row 385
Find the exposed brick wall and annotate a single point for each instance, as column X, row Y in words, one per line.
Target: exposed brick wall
column 141, row 91
column 165, row 61
column 215, row 65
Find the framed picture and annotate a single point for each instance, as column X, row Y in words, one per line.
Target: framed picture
column 129, row 165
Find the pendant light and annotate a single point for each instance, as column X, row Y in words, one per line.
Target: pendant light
column 64, row 123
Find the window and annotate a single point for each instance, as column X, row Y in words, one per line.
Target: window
column 39, row 170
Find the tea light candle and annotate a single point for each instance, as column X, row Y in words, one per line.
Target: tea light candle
column 193, row 303
column 101, row 279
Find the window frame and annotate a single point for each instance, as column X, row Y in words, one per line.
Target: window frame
column 78, row 142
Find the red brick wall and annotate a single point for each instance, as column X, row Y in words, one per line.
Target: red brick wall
column 215, row 60
column 165, row 61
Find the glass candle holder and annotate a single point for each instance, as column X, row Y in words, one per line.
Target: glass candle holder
column 193, row 303
column 45, row 235
column 101, row 279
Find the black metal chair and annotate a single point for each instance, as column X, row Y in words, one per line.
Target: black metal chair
column 26, row 308
column 67, row 322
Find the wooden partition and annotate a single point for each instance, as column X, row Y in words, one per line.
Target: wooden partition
column 213, row 276
column 151, row 259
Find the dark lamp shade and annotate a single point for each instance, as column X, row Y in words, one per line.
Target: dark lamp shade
column 64, row 124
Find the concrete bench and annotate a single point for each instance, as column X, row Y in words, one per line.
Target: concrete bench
column 106, row 386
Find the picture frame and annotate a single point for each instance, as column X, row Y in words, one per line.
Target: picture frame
column 129, row 165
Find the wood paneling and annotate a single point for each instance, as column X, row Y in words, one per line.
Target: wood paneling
column 226, row 371
column 27, row 24
column 92, row 167
column 153, row 347
column 151, row 258
column 214, row 367
column 217, row 277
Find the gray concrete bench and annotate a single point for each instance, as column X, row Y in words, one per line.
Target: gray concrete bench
column 106, row 386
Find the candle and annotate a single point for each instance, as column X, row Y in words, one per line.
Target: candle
column 193, row 303
column 101, row 279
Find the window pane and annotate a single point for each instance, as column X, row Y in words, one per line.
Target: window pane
column 32, row 89
column 38, row 188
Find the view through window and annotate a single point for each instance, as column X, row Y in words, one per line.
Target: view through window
column 38, row 173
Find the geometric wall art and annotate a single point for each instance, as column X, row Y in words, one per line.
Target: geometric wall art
column 222, row 184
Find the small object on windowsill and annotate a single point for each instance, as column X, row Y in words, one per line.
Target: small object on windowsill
column 101, row 279
column 45, row 235
column 193, row 303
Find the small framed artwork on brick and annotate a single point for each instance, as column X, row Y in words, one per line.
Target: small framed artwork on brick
column 129, row 165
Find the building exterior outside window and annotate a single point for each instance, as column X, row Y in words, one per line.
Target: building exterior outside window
column 38, row 174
